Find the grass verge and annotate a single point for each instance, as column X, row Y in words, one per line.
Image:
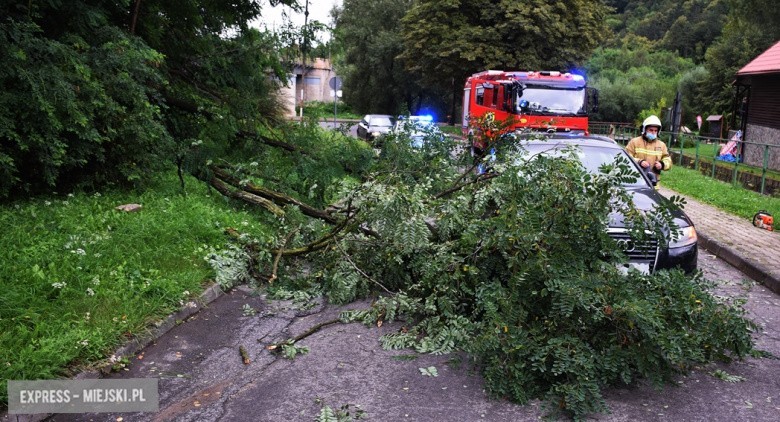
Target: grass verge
column 78, row 277
column 325, row 110
column 725, row 196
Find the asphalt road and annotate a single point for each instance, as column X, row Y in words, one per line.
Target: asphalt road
column 202, row 377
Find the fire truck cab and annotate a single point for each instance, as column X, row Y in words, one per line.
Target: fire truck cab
column 548, row 101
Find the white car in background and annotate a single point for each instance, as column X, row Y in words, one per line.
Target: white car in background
column 419, row 129
column 373, row 126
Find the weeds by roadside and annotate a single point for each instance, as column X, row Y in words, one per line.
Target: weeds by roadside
column 78, row 277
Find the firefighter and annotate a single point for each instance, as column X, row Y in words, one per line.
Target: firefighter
column 648, row 150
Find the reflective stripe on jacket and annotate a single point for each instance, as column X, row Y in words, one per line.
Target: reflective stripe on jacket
column 642, row 150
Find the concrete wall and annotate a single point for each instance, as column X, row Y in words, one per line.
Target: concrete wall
column 309, row 83
column 288, row 96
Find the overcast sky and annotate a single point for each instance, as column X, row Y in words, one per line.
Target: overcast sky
column 318, row 10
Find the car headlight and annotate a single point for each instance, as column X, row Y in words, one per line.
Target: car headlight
column 686, row 236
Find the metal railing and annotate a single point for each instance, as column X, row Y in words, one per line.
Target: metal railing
column 703, row 149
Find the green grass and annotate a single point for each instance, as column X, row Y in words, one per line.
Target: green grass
column 78, row 278
column 325, row 110
column 452, row 130
column 725, row 196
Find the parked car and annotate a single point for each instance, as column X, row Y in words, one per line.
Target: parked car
column 418, row 128
column 373, row 126
column 593, row 152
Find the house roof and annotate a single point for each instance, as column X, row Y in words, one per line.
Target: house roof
column 766, row 62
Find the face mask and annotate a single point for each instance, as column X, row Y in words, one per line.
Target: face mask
column 650, row 136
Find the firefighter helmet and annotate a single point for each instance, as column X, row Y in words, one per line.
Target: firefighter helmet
column 651, row 121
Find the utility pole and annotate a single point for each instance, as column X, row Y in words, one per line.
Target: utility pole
column 304, row 48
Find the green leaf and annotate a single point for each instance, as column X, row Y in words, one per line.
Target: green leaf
column 429, row 371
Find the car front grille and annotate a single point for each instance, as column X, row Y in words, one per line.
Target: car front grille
column 640, row 252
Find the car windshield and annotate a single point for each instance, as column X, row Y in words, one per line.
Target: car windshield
column 547, row 100
column 416, row 124
column 592, row 157
column 381, row 121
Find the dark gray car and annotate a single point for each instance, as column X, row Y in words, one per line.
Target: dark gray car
column 595, row 151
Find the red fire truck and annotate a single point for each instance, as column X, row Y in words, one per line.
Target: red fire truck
column 544, row 101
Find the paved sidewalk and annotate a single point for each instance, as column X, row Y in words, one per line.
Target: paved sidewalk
column 754, row 251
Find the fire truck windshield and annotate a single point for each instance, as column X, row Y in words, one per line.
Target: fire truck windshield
column 547, row 100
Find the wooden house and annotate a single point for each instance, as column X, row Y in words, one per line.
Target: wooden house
column 758, row 104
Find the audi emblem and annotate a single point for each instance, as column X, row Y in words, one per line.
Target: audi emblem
column 627, row 245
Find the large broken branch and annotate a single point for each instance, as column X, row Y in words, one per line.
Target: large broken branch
column 269, row 141
column 317, row 244
column 274, row 196
column 225, row 189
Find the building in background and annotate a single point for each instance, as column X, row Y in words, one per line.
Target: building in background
column 308, row 83
column 758, row 104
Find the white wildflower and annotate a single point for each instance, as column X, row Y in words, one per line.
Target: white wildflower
column 59, row 284
column 47, row 203
column 96, row 281
column 87, row 316
column 84, row 342
column 90, row 292
column 254, row 164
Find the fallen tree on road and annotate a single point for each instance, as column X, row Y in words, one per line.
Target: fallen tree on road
column 515, row 267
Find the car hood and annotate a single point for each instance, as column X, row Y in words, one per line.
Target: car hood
column 645, row 199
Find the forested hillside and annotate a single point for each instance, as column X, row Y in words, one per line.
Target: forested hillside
column 664, row 46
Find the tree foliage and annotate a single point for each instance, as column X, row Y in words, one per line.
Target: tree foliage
column 445, row 41
column 511, row 265
column 687, row 27
column 102, row 92
column 375, row 78
column 635, row 77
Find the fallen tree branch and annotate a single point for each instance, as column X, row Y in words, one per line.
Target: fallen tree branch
column 244, row 355
column 224, row 189
column 277, row 197
column 268, row 141
column 313, row 246
column 274, row 196
column 479, row 179
column 275, row 267
column 303, row 335
column 361, row 271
